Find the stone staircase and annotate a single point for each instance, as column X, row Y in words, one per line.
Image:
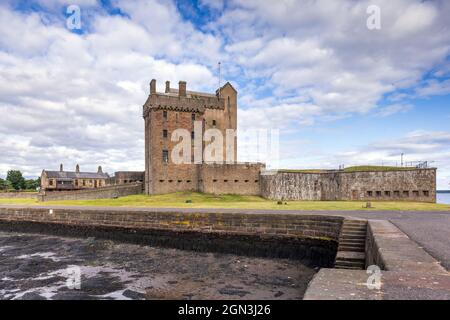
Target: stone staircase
column 352, row 243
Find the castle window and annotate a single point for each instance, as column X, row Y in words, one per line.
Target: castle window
column 397, row 194
column 369, row 193
column 236, row 180
column 179, row 181
column 256, row 181
column 192, row 135
column 214, row 123
column 164, row 133
column 161, row 181
column 214, row 180
column 387, row 193
column 406, row 193
column 165, row 156
column 378, row 193
column 188, row 181
column 415, row 193
column 84, row 183
column 170, row 180
column 225, row 180
column 193, row 117
column 246, row 180
column 165, row 115
column 426, row 193
column 50, row 182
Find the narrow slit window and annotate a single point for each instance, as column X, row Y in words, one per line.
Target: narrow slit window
column 165, row 156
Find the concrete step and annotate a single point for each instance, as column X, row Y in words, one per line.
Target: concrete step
column 349, row 267
column 359, row 263
column 353, row 237
column 350, row 264
column 351, row 242
column 356, row 222
column 359, row 232
column 352, row 233
column 346, row 230
column 354, row 227
column 352, row 248
column 350, row 256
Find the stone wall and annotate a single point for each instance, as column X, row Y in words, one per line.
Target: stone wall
column 99, row 193
column 311, row 239
column 284, row 225
column 17, row 195
column 395, row 185
column 230, row 178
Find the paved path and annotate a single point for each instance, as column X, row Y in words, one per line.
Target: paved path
column 431, row 230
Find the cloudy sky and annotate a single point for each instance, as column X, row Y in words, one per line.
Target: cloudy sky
column 338, row 92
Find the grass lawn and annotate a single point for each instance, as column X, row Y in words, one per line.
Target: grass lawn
column 199, row 200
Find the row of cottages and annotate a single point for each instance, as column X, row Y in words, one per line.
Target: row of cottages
column 72, row 180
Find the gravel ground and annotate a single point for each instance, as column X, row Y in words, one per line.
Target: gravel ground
column 34, row 266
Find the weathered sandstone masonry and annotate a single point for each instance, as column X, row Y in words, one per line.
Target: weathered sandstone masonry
column 99, row 193
column 309, row 237
column 396, row 185
column 18, row 195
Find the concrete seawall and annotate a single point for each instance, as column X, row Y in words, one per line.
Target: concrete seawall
column 406, row 271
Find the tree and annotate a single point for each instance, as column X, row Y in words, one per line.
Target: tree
column 32, row 184
column 3, row 184
column 16, row 179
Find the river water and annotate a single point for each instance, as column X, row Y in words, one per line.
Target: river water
column 443, row 198
column 34, row 266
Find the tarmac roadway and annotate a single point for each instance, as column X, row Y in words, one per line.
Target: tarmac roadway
column 431, row 230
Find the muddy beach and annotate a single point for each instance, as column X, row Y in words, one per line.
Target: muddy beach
column 37, row 266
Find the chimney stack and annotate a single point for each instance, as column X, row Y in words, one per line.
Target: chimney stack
column 61, row 167
column 99, row 169
column 182, row 88
column 167, row 86
column 153, row 86
column 77, row 168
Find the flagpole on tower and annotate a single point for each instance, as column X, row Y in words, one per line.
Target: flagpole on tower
column 219, row 79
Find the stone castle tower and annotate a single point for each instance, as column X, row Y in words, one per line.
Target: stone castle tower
column 173, row 109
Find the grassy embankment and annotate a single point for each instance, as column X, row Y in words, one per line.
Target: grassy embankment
column 178, row 200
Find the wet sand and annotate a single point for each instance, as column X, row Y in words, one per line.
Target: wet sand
column 35, row 266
